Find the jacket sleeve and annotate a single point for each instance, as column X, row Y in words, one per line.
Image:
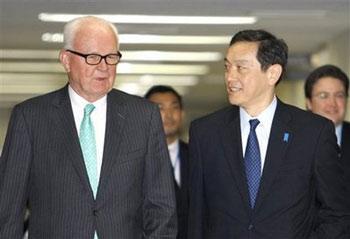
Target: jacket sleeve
column 196, row 219
column 159, row 207
column 334, row 213
column 14, row 173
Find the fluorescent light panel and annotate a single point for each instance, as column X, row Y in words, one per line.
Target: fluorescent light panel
column 153, row 39
column 184, row 56
column 153, row 19
column 171, row 39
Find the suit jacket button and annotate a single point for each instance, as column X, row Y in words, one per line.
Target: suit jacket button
column 94, row 212
column 250, row 227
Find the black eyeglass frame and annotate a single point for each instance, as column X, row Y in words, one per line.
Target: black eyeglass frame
column 85, row 56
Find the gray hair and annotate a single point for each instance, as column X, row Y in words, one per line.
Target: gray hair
column 71, row 28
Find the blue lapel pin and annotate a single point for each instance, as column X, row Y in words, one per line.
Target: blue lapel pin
column 286, row 137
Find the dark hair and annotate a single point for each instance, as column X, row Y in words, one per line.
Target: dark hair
column 271, row 50
column 325, row 71
column 163, row 89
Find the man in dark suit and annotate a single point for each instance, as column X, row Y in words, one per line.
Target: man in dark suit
column 90, row 160
column 260, row 168
column 326, row 91
column 171, row 110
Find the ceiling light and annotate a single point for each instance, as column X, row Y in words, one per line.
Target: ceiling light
column 171, row 56
column 153, row 39
column 173, row 39
column 153, row 19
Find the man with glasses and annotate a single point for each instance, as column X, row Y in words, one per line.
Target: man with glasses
column 326, row 92
column 91, row 161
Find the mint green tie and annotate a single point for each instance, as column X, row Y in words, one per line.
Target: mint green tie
column 88, row 146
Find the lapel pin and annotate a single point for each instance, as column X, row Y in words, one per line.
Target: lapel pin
column 286, row 137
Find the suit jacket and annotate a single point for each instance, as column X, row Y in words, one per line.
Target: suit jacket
column 182, row 192
column 345, row 154
column 300, row 194
column 345, row 143
column 42, row 162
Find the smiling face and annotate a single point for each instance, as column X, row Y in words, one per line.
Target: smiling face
column 91, row 82
column 247, row 85
column 328, row 99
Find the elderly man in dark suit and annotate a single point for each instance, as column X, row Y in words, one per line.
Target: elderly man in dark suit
column 260, row 168
column 172, row 112
column 90, row 160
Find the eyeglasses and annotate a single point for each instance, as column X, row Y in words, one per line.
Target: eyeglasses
column 327, row 95
column 95, row 59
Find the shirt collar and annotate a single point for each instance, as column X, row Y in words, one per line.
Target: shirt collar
column 174, row 145
column 338, row 132
column 265, row 117
column 80, row 102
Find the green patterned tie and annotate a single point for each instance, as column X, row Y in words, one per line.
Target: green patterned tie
column 88, row 146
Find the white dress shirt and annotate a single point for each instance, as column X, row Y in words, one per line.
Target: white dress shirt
column 98, row 118
column 174, row 152
column 338, row 132
column 262, row 130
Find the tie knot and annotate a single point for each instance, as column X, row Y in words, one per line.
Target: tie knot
column 253, row 123
column 88, row 109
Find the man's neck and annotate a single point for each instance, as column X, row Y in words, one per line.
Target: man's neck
column 170, row 140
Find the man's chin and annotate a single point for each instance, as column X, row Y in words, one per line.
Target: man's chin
column 170, row 133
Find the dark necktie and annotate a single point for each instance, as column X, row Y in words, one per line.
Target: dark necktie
column 252, row 162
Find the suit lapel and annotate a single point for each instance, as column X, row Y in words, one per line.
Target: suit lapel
column 115, row 120
column 232, row 144
column 63, row 117
column 279, row 140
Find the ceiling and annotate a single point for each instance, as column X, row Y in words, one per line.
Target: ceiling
column 306, row 25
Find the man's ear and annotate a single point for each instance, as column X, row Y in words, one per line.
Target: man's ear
column 274, row 73
column 65, row 60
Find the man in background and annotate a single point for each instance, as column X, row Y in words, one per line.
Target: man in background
column 171, row 109
column 326, row 91
column 261, row 168
column 91, row 161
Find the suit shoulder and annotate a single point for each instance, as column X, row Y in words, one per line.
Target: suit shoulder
column 183, row 145
column 305, row 118
column 40, row 101
column 216, row 118
column 130, row 99
column 346, row 125
column 135, row 106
